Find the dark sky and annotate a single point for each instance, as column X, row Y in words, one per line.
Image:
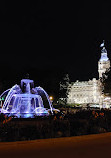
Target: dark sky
column 48, row 38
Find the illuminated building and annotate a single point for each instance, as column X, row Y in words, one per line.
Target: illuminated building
column 89, row 92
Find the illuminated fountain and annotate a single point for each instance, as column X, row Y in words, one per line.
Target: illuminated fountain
column 26, row 101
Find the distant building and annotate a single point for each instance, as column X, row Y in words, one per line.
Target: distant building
column 89, row 92
column 84, row 92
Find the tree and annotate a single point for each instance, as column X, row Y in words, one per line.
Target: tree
column 64, row 90
column 106, row 82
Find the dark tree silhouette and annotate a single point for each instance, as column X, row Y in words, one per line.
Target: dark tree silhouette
column 106, row 82
column 64, row 84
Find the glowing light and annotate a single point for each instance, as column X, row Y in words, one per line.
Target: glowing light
column 103, row 53
column 104, row 57
column 51, row 98
column 2, row 99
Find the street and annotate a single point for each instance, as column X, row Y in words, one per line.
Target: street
column 89, row 146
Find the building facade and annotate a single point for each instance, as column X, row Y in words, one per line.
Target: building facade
column 84, row 92
column 89, row 92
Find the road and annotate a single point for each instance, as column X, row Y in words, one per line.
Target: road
column 89, row 146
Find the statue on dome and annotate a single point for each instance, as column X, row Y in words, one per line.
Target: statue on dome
column 102, row 44
column 103, row 47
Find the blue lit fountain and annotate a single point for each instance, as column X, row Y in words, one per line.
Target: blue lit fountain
column 26, row 101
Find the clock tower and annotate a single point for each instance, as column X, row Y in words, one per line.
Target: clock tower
column 104, row 62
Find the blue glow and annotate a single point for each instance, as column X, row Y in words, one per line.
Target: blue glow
column 104, row 56
column 26, row 101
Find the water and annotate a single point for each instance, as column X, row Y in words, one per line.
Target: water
column 26, row 101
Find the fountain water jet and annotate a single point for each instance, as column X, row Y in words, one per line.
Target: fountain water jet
column 26, row 101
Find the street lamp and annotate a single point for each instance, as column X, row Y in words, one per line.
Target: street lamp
column 51, row 98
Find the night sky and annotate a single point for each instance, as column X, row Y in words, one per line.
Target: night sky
column 48, row 39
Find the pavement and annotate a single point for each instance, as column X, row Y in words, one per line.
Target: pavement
column 87, row 146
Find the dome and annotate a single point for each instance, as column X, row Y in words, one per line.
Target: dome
column 104, row 56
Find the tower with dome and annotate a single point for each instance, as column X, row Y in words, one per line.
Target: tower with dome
column 104, row 62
